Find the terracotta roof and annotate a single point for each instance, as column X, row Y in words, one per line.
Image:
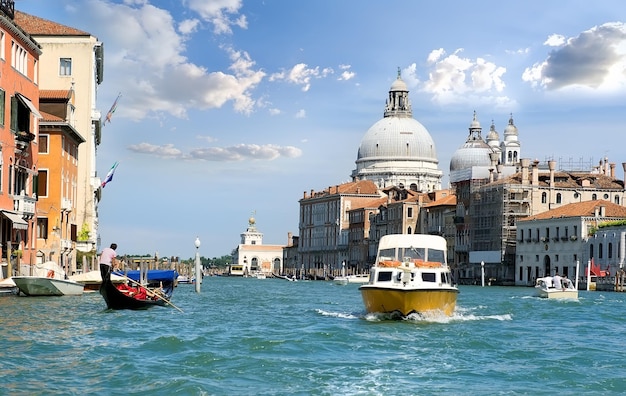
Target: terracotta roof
column 36, row 26
column 449, row 200
column 47, row 117
column 581, row 209
column 55, row 94
column 568, row 180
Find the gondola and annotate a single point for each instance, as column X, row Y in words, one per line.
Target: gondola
column 117, row 299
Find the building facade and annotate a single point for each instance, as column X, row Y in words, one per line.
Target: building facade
column 74, row 60
column 19, row 138
column 59, row 142
column 251, row 256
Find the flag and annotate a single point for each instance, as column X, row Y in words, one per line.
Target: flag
column 111, row 110
column 109, row 175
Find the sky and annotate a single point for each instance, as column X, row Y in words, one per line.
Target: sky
column 231, row 108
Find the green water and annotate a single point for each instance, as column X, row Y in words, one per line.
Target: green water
column 273, row 337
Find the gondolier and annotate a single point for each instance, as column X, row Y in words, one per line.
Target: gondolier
column 107, row 261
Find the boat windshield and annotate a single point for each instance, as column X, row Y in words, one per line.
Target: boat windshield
column 412, row 253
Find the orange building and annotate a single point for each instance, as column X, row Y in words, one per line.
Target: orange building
column 58, row 179
column 19, row 100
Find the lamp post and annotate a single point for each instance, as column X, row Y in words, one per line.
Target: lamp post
column 482, row 273
column 198, row 270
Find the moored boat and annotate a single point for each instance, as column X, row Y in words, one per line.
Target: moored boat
column 8, row 287
column 410, row 275
column 48, row 280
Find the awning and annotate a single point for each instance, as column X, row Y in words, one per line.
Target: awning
column 18, row 222
column 29, row 104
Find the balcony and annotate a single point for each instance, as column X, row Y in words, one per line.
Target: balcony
column 24, row 205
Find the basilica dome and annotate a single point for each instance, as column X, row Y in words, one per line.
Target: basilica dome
column 398, row 150
column 475, row 151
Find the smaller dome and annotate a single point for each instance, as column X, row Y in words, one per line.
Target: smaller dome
column 399, row 85
column 510, row 129
column 472, row 153
column 493, row 134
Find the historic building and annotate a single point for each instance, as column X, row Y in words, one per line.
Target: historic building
column 558, row 240
column 19, row 138
column 58, row 147
column 476, row 163
column 251, row 256
column 324, row 224
column 398, row 150
column 73, row 60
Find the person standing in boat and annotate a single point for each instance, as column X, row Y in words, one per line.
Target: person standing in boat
column 108, row 259
column 556, row 281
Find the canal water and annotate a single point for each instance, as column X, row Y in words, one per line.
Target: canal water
column 247, row 336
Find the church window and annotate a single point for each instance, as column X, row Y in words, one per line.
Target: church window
column 558, row 198
column 544, row 197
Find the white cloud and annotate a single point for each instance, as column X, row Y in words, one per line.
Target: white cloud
column 301, row 113
column 146, row 58
column 223, row 14
column 240, row 152
column 593, row 60
column 555, row 40
column 456, row 79
column 301, row 74
column 274, row 111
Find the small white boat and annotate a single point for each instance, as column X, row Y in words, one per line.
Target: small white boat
column 546, row 288
column 410, row 275
column 359, row 278
column 8, row 287
column 261, row 275
column 48, row 280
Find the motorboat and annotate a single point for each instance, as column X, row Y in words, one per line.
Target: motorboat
column 410, row 275
column 358, row 278
column 48, row 279
column 8, row 288
column 547, row 287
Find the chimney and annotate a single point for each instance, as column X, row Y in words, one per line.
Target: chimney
column 525, row 163
column 499, row 170
column 624, row 167
column 311, row 193
column 612, row 165
column 289, row 239
column 552, row 167
column 535, row 181
column 602, row 211
column 491, row 175
column 304, row 195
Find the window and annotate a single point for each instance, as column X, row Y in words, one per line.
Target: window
column 544, row 197
column 558, row 198
column 43, row 144
column 428, row 277
column 42, row 227
column 617, row 199
column 2, row 96
column 610, row 252
column 594, row 197
column 65, row 67
column 600, row 250
column 409, row 212
column 42, row 183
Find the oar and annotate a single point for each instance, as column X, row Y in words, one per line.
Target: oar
column 148, row 291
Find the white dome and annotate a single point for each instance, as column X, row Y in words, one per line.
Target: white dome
column 472, row 153
column 394, row 137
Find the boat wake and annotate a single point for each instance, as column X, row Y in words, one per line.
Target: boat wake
column 342, row 315
column 460, row 315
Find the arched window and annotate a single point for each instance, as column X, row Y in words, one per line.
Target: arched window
column 610, row 252
column 591, row 251
column 594, row 197
column 544, row 197
column 408, row 231
column 558, row 197
column 600, row 250
column 617, row 199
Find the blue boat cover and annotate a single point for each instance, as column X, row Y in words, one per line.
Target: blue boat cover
column 155, row 275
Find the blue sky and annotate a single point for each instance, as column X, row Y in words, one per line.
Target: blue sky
column 236, row 107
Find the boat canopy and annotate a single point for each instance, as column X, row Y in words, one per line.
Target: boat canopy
column 155, row 275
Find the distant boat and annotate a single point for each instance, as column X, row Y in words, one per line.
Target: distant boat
column 545, row 288
column 48, row 280
column 410, row 275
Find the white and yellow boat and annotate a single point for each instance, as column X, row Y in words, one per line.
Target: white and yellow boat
column 411, row 275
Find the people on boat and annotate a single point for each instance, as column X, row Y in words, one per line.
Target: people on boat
column 108, row 259
column 556, row 281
